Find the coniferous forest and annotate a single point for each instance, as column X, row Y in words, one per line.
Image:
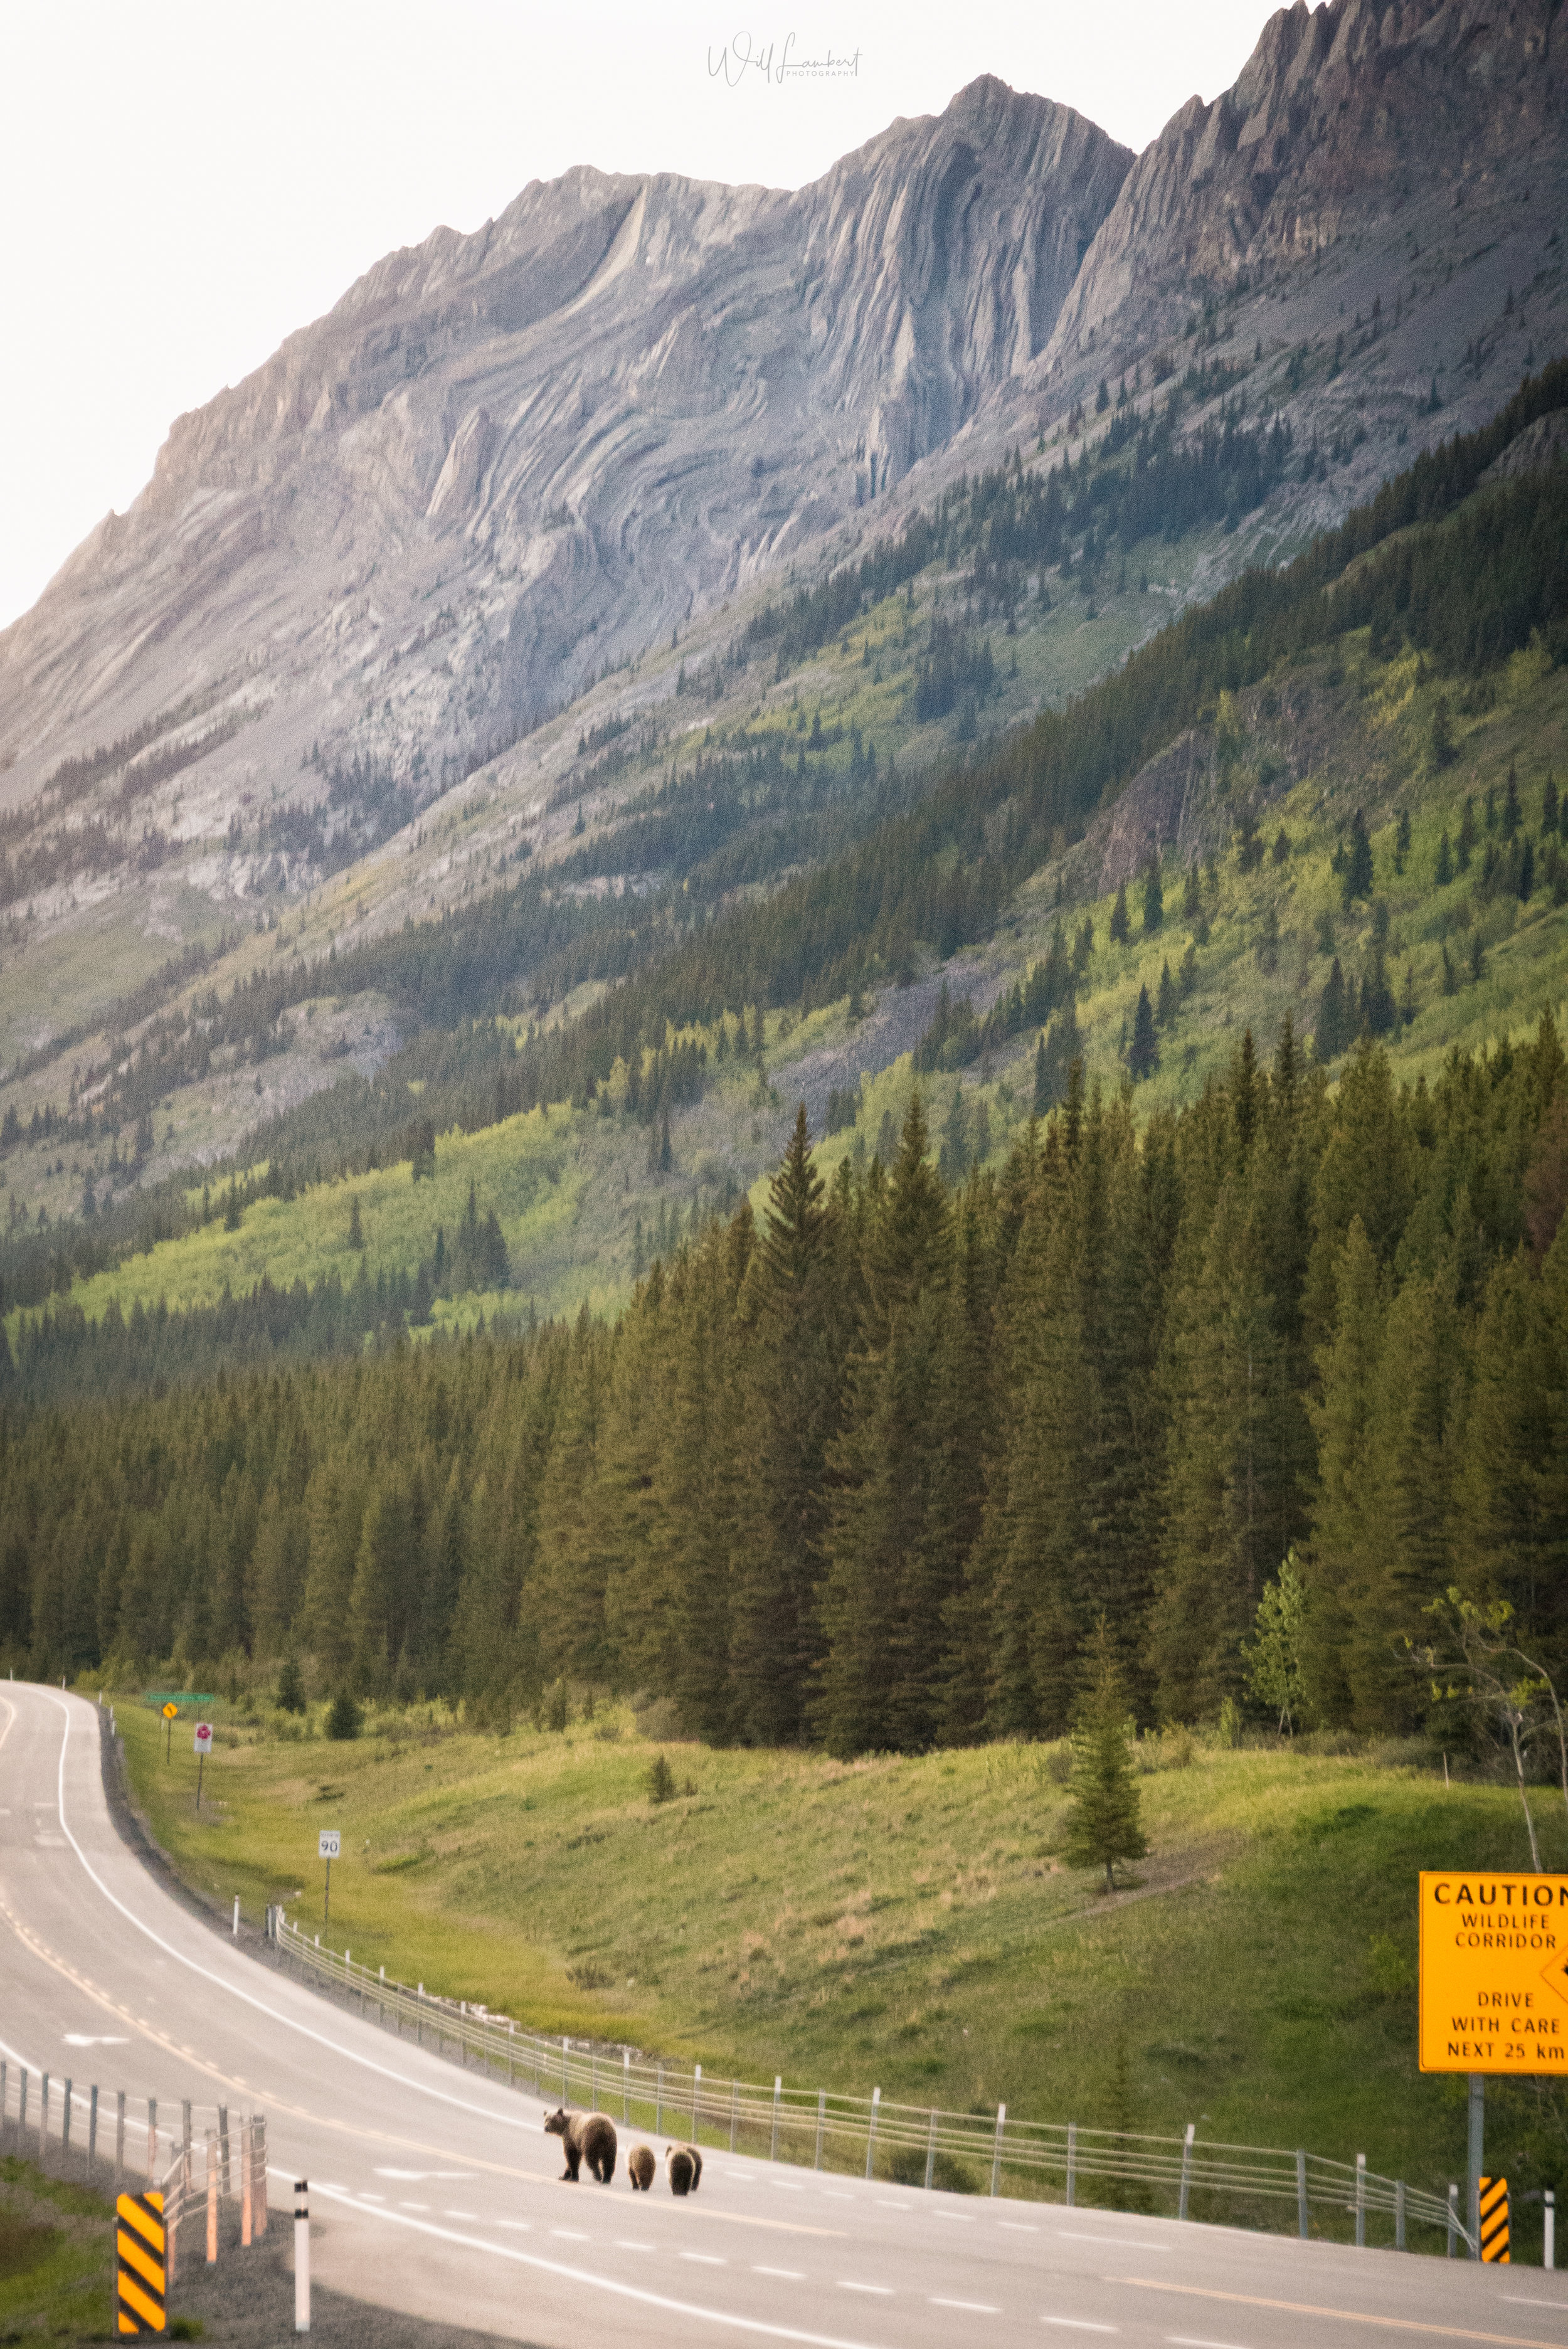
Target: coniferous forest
column 866, row 1470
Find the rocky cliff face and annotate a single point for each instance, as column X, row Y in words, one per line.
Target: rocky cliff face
column 506, row 459
column 1342, row 116
column 506, row 462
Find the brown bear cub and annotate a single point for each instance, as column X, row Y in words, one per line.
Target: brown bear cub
column 640, row 2168
column 684, row 2163
column 585, row 2137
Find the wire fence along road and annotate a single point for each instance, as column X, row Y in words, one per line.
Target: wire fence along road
column 194, row 2155
column 909, row 2144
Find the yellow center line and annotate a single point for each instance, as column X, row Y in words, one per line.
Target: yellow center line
column 1341, row 2315
column 383, row 2139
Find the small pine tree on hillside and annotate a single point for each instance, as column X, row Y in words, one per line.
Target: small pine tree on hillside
column 1154, row 899
column 1143, row 1052
column 355, row 1228
column 291, row 1686
column 1103, row 1824
column 1120, row 927
column 1445, row 870
column 1357, row 880
column 344, row 1719
column 1273, row 1659
column 661, row 1781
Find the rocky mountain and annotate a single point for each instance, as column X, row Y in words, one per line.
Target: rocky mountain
column 507, row 459
column 1344, row 119
column 463, row 583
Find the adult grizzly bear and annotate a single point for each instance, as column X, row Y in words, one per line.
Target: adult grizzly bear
column 640, row 2166
column 585, row 2137
column 684, row 2163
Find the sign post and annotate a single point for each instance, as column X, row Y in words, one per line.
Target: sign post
column 201, row 1746
column 1494, row 1988
column 330, row 1845
column 170, row 1714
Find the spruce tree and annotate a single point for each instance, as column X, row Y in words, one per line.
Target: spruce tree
column 1103, row 1823
column 801, row 1298
column 1445, row 866
column 1358, row 876
column 1143, row 1051
column 1121, row 926
column 1154, row 899
column 1165, row 1003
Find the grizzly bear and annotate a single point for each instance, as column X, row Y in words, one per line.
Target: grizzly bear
column 684, row 2163
column 640, row 2168
column 585, row 2137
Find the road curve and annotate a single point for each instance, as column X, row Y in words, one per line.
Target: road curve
column 439, row 2196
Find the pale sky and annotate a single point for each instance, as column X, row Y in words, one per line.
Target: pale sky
column 184, row 185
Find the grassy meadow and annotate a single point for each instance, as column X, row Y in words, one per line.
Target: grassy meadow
column 900, row 1923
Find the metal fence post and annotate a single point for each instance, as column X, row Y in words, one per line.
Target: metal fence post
column 931, row 2150
column 696, row 2101
column 626, row 2090
column 659, row 2101
column 66, row 2126
column 1186, row 2168
column 821, row 2124
column 871, row 2129
column 773, row 2142
column 997, row 2154
column 224, row 2147
column 1072, row 2163
column 118, row 2136
column 734, row 2111
column 1301, row 2221
column 1398, row 2214
column 1361, row 2201
column 1453, row 2216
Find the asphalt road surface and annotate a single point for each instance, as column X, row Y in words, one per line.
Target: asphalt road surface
column 438, row 2195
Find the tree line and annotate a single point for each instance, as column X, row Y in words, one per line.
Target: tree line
column 868, row 1469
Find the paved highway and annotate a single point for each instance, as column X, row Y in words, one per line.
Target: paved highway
column 440, row 2194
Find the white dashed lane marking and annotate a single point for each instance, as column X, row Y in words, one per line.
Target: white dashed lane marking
column 882, row 2291
column 1079, row 2324
column 971, row 2307
column 704, row 2259
column 791, row 2275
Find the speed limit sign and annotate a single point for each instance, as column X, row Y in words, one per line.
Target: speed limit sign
column 331, row 1844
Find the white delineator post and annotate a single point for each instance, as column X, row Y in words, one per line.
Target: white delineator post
column 1549, row 2252
column 301, row 2255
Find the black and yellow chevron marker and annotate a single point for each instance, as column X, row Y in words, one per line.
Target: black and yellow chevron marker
column 1494, row 2219
column 140, row 2263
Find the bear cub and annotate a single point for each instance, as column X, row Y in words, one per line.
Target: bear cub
column 684, row 2163
column 640, row 2168
column 585, row 2137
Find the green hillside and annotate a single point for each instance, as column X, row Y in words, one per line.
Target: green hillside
column 1466, row 963
column 902, row 1924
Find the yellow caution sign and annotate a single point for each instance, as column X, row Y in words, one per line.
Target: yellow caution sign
column 1494, row 2219
column 140, row 2263
column 1494, row 1973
